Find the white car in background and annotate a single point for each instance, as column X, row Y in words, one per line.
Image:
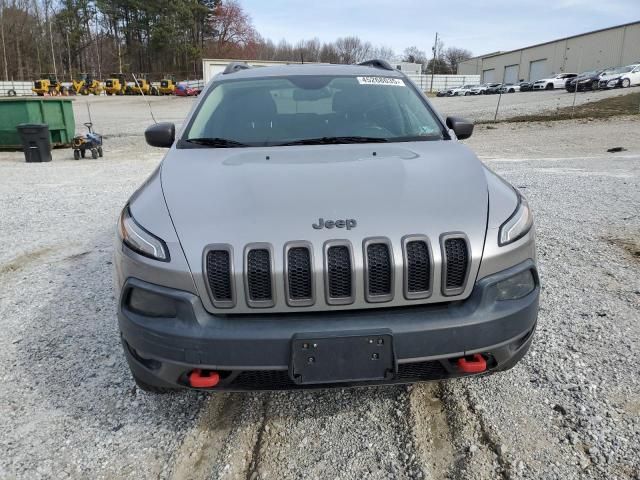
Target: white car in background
column 558, row 81
column 510, row 88
column 621, row 77
column 480, row 89
column 463, row 90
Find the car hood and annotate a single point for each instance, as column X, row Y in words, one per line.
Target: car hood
column 275, row 195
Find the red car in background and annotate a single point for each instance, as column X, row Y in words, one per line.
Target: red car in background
column 183, row 90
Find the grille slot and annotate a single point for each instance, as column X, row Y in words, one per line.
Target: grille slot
column 418, row 267
column 219, row 276
column 258, row 276
column 339, row 274
column 378, row 270
column 456, row 265
column 299, row 274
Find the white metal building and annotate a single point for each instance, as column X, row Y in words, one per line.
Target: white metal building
column 595, row 50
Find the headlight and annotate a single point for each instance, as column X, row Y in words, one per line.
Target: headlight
column 139, row 240
column 518, row 224
column 518, row 286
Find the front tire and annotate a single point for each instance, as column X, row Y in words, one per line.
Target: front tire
column 549, row 86
column 99, row 152
column 76, row 154
column 94, row 153
column 626, row 83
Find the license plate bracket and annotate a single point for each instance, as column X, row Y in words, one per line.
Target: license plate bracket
column 342, row 357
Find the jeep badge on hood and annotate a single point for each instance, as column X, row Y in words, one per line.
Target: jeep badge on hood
column 349, row 223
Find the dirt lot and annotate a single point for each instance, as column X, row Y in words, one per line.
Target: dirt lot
column 571, row 409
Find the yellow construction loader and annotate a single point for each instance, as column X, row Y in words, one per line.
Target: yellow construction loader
column 116, row 84
column 141, row 86
column 48, row 84
column 167, row 85
column 86, row 84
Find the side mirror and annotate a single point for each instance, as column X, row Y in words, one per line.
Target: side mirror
column 161, row 135
column 461, row 127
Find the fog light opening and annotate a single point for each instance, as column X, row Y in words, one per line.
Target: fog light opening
column 517, row 286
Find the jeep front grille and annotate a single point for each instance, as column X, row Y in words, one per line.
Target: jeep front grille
column 418, row 267
column 299, row 274
column 339, row 274
column 379, row 270
column 303, row 275
column 456, row 264
column 259, row 283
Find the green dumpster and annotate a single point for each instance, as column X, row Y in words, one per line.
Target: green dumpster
column 55, row 112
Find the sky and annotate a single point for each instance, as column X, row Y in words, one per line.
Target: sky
column 479, row 26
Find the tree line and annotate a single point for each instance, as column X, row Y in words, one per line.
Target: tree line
column 67, row 37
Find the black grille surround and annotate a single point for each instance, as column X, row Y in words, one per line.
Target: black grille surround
column 456, row 262
column 375, row 273
column 299, row 275
column 378, row 269
column 339, row 277
column 418, row 267
column 219, row 272
column 258, row 275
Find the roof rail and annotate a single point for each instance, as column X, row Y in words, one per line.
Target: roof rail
column 377, row 63
column 235, row 67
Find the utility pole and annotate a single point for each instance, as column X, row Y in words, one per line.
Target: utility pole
column 98, row 48
column 119, row 55
column 433, row 63
column 53, row 53
column 69, row 57
column 4, row 48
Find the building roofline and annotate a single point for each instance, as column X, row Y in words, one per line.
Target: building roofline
column 489, row 55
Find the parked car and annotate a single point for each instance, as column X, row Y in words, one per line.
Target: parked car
column 443, row 93
column 183, row 90
column 526, row 86
column 585, row 81
column 510, row 88
column 553, row 82
column 623, row 77
column 230, row 276
column 463, row 90
column 493, row 89
column 479, row 89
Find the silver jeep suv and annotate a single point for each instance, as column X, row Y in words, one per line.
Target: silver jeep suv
column 321, row 225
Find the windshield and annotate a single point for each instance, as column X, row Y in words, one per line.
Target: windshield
column 311, row 109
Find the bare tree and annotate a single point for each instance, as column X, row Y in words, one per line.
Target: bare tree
column 232, row 27
column 454, row 55
column 414, row 55
column 383, row 53
column 352, row 49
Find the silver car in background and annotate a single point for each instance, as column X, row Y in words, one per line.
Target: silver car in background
column 321, row 225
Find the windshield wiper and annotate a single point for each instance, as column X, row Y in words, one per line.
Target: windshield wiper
column 334, row 141
column 216, row 142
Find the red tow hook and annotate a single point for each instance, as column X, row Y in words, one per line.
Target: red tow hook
column 476, row 364
column 200, row 379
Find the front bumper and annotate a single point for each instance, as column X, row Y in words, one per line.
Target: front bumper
column 253, row 351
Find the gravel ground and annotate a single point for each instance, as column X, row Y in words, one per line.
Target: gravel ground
column 571, row 409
